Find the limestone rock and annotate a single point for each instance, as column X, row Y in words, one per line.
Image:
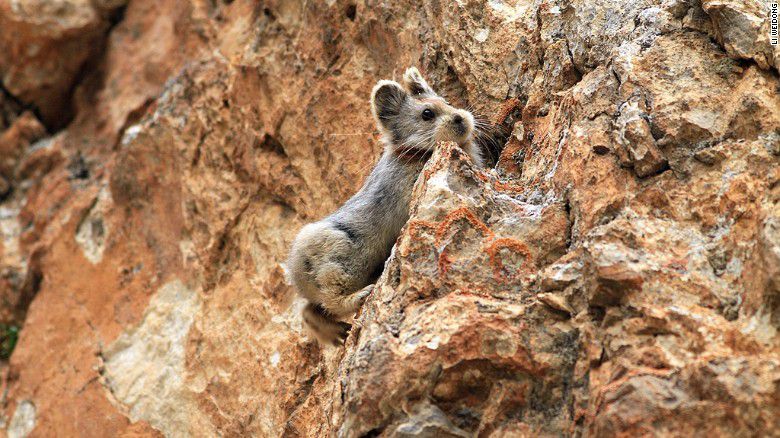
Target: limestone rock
column 15, row 141
column 45, row 45
column 615, row 274
column 743, row 28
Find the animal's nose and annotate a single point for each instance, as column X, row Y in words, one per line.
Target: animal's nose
column 458, row 119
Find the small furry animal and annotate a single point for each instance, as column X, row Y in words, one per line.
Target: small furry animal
column 334, row 262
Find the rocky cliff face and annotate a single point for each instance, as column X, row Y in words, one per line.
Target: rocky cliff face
column 617, row 273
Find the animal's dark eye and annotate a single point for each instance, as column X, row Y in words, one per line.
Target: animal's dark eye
column 428, row 114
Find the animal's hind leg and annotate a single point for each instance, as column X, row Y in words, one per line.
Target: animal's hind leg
column 345, row 305
column 324, row 326
column 334, row 291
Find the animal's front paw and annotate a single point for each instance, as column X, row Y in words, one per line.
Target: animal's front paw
column 362, row 294
column 350, row 304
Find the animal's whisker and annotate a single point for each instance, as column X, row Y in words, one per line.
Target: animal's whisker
column 427, row 142
column 417, row 150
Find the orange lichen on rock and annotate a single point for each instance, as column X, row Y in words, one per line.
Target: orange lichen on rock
column 462, row 213
column 500, row 270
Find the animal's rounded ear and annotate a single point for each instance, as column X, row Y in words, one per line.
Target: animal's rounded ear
column 386, row 100
column 415, row 84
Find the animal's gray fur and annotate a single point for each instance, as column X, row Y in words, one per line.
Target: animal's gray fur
column 334, row 262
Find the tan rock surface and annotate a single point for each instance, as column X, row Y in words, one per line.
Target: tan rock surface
column 615, row 274
column 45, row 46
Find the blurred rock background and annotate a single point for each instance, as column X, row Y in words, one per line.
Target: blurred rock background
column 617, row 273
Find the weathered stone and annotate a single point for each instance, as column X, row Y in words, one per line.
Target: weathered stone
column 45, row 44
column 16, row 139
column 742, row 26
column 634, row 133
column 575, row 289
column 23, row 421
